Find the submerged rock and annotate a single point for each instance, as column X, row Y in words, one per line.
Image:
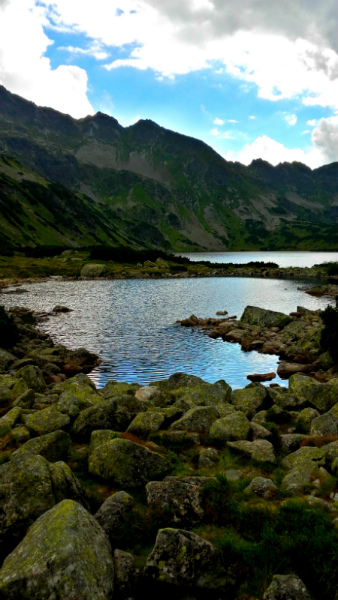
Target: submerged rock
column 65, row 554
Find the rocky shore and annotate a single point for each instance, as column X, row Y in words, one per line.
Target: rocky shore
column 182, row 487
column 295, row 338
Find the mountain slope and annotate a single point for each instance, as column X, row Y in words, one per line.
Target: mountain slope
column 150, row 187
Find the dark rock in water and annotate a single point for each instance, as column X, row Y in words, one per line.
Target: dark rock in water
column 191, row 321
column 65, row 554
column 182, row 558
column 61, row 309
column 261, row 376
column 286, row 369
column 287, row 587
column 253, row 315
column 222, row 312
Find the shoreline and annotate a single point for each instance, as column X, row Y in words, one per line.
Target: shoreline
column 146, row 473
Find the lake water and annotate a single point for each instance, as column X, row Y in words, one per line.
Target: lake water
column 131, row 324
column 283, row 259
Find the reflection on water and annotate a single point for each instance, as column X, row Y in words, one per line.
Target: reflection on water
column 283, row 259
column 131, row 324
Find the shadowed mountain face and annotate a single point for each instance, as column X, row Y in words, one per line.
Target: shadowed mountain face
column 91, row 181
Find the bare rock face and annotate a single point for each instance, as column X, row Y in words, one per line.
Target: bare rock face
column 65, row 554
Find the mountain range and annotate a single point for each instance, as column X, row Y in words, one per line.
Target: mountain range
column 78, row 183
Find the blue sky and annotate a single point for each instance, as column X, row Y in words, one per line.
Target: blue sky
column 256, row 82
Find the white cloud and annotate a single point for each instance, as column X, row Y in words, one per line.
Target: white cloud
column 324, row 148
column 291, row 119
column 312, row 122
column 218, row 121
column 94, row 50
column 214, row 131
column 252, row 117
column 305, row 132
column 25, row 71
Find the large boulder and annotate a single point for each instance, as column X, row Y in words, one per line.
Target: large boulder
column 183, row 496
column 260, row 450
column 250, row 400
column 65, row 554
column 301, row 456
column 128, row 464
column 81, row 387
column 232, row 427
column 103, row 415
column 321, row 396
column 92, row 270
column 182, row 380
column 113, row 514
column 326, row 424
column 197, row 419
column 8, row 420
column 206, row 394
column 253, row 315
column 185, row 560
column 46, row 420
column 33, row 377
column 145, row 423
column 6, row 359
column 52, row 446
column 265, row 488
column 30, row 485
column 286, row 587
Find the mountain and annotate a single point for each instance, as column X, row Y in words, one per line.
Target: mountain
column 91, row 181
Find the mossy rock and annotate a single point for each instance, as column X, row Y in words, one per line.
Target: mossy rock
column 197, row 419
column 233, row 427
column 103, row 415
column 259, row 450
column 65, row 554
column 52, row 446
column 250, row 400
column 326, row 424
column 305, row 418
column 145, row 423
column 128, row 464
column 303, row 455
column 8, row 420
column 113, row 514
column 32, row 376
column 45, row 421
column 253, row 315
column 114, row 389
column 91, row 270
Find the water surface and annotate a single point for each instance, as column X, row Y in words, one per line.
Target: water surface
column 283, row 259
column 131, row 324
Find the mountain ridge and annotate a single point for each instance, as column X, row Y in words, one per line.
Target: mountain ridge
column 157, row 188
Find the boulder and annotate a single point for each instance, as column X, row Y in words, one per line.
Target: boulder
column 128, row 464
column 301, row 456
column 207, row 458
column 8, row 420
column 259, row 432
column 206, row 394
column 290, row 442
column 45, row 421
column 287, row 369
column 182, row 380
column 305, row 418
column 282, row 398
column 30, row 485
column 126, row 574
column 253, row 315
column 145, row 423
column 233, row 427
column 65, row 554
column 91, row 270
column 52, row 446
column 196, row 419
column 182, row 496
column 103, row 415
column 148, row 393
column 286, row 587
column 261, row 376
column 79, row 386
column 321, row 396
column 61, row 309
column 249, row 400
column 6, row 359
column 265, row 488
column 112, row 516
column 326, row 424
column 185, row 560
column 260, row 450
column 33, row 377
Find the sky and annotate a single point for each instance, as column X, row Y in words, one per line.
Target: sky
column 252, row 79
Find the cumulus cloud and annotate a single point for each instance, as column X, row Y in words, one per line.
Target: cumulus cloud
column 175, row 37
column 26, row 71
column 325, row 138
column 218, row 121
column 291, row 119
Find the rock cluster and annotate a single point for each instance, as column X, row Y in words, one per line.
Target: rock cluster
column 90, row 479
column 295, row 338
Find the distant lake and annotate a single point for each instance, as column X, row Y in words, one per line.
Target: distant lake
column 131, row 324
column 283, row 259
